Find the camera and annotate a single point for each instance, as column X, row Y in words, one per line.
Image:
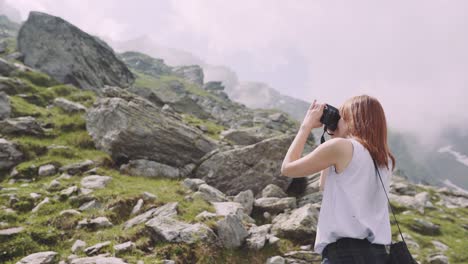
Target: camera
column 330, row 117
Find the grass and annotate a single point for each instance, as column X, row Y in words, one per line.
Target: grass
column 213, row 129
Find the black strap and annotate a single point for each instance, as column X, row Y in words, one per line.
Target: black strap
column 388, row 202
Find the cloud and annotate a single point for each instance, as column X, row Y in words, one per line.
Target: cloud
column 411, row 55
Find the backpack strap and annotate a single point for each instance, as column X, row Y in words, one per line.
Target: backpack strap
column 388, row 202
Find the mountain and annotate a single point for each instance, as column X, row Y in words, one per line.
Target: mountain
column 167, row 170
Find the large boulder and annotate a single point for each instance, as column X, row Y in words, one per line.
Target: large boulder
column 191, row 73
column 129, row 127
column 69, row 54
column 251, row 167
column 10, row 155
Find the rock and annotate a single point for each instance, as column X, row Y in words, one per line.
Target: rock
column 306, row 255
column 310, row 199
column 437, row 259
column 149, row 196
column 276, row 260
column 6, row 67
column 39, row 205
column 148, row 168
column 425, row 227
column 69, row 192
column 78, row 246
column 5, row 107
column 35, row 196
column 402, row 188
column 251, row 167
column 300, row 224
column 24, row 125
column 418, row 202
column 136, row 209
column 69, row 106
column 193, row 183
column 9, row 232
column 275, row 205
column 124, row 247
column 70, row 212
column 246, row 198
column 46, row 257
column 258, row 236
column 170, row 230
column 54, row 185
column 191, row 73
column 205, row 215
column 272, row 190
column 70, row 55
column 93, row 204
column 95, row 181
column 10, row 155
column 231, row 232
column 113, row 120
column 439, row 245
column 146, row 64
column 210, row 194
column 96, row 248
column 99, row 222
column 76, row 168
column 245, row 136
column 169, row 209
column 47, row 170
column 98, row 260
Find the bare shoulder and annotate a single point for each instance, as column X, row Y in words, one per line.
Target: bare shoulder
column 341, row 144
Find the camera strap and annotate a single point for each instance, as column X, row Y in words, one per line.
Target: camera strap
column 375, row 165
column 322, row 139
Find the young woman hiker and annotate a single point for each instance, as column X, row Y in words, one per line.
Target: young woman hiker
column 353, row 224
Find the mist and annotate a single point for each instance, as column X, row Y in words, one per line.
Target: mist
column 410, row 55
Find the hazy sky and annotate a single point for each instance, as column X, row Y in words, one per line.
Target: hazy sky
column 411, row 55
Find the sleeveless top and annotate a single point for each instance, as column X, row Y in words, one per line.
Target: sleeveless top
column 354, row 203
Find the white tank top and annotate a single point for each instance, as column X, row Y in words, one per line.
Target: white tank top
column 354, row 203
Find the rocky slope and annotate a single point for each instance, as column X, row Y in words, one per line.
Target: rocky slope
column 168, row 170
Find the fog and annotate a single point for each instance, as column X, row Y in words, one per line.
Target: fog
column 411, row 55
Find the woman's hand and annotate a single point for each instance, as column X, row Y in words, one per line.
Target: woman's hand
column 314, row 113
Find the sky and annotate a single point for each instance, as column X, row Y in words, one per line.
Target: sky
column 411, row 55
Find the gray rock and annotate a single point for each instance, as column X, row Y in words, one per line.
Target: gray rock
column 46, row 257
column 191, row 73
column 95, row 181
column 5, row 107
column 437, row 259
column 193, row 183
column 70, row 55
column 98, row 222
column 276, row 260
column 70, row 212
column 205, row 215
column 76, row 168
column 275, row 205
column 300, row 224
column 6, row 67
column 246, row 198
column 10, row 155
column 69, row 191
column 149, row 168
column 210, row 193
column 425, row 227
column 231, row 231
column 306, row 255
column 78, row 246
column 439, row 245
column 251, row 167
column 113, row 120
column 47, row 170
column 98, row 260
column 169, row 209
column 24, row 125
column 310, row 198
column 124, row 247
column 69, row 106
column 145, row 64
column 170, row 230
column 136, row 209
column 93, row 204
column 10, row 231
column 92, row 250
column 39, row 205
column 245, row 136
column 149, row 196
column 258, row 236
column 54, row 185
column 272, row 190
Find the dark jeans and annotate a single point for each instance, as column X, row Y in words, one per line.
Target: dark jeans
column 354, row 251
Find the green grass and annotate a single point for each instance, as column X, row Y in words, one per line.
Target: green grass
column 213, row 129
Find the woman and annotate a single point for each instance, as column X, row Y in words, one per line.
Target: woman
column 353, row 224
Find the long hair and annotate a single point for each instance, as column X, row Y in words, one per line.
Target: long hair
column 366, row 121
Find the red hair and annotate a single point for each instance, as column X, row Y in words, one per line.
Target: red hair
column 366, row 121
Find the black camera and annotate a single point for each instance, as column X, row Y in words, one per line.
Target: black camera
column 330, row 117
